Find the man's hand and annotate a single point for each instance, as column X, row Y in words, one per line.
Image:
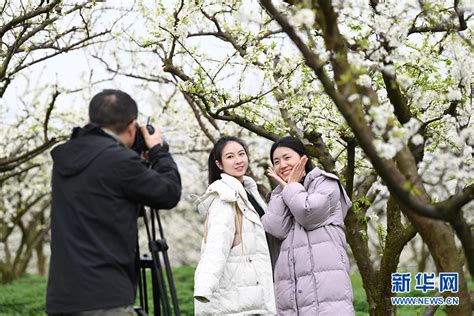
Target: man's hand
column 271, row 173
column 151, row 140
column 298, row 170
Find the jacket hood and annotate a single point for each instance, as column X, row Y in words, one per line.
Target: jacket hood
column 85, row 145
column 226, row 189
column 316, row 172
column 344, row 199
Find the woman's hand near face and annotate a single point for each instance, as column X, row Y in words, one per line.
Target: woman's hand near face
column 271, row 173
column 298, row 171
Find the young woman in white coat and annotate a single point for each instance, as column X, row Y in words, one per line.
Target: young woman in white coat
column 234, row 274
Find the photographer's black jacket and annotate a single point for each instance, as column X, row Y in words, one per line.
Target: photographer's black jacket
column 97, row 186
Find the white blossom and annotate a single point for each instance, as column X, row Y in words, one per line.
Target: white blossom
column 304, row 17
column 382, row 24
column 373, row 217
column 380, row 115
column 412, row 126
column 386, row 151
column 358, row 60
column 462, row 59
column 454, row 95
column 353, row 97
column 365, row 100
column 398, row 137
column 417, row 140
column 364, row 80
column 405, row 81
column 389, row 69
column 467, row 135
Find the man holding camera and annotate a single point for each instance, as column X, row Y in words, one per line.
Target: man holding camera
column 98, row 186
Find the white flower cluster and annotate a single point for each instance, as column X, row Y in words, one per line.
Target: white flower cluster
column 442, row 173
column 405, row 81
column 448, row 164
column 7, row 212
column 394, row 20
column 364, row 80
column 358, row 60
column 427, row 102
column 454, row 95
column 386, row 150
column 373, row 217
column 417, row 139
column 305, row 17
column 398, row 137
column 8, row 202
column 462, row 60
column 379, row 115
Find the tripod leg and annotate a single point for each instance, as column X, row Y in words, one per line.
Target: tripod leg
column 166, row 260
column 174, row 297
column 156, row 294
column 161, row 288
column 160, row 292
column 144, row 290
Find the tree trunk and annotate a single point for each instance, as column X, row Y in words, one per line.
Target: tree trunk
column 423, row 258
column 6, row 275
column 377, row 283
column 41, row 259
column 39, row 249
column 438, row 236
column 383, row 305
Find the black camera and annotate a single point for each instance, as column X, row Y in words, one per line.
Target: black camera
column 139, row 144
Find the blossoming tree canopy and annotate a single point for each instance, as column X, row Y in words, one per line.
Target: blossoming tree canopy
column 379, row 92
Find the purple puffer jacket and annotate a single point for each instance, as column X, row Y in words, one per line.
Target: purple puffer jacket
column 312, row 270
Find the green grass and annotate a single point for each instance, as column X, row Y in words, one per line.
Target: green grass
column 26, row 296
column 183, row 278
column 361, row 305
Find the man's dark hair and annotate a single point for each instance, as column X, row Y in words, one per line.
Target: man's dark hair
column 296, row 145
column 112, row 109
column 214, row 173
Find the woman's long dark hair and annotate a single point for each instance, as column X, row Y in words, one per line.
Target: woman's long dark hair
column 296, row 145
column 214, row 173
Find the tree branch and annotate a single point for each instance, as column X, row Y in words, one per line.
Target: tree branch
column 22, row 18
column 387, row 170
column 48, row 114
column 204, row 129
column 445, row 26
column 396, row 97
column 350, row 169
column 7, row 164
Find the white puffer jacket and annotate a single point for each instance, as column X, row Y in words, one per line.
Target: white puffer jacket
column 238, row 280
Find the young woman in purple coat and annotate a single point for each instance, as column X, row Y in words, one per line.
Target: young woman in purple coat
column 306, row 211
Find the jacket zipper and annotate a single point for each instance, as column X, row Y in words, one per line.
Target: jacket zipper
column 292, row 267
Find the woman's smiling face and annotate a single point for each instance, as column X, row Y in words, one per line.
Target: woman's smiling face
column 234, row 160
column 284, row 160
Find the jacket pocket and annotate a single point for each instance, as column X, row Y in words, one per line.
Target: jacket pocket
column 336, row 245
column 240, row 300
column 225, row 281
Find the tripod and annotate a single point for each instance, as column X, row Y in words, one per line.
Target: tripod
column 161, row 301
